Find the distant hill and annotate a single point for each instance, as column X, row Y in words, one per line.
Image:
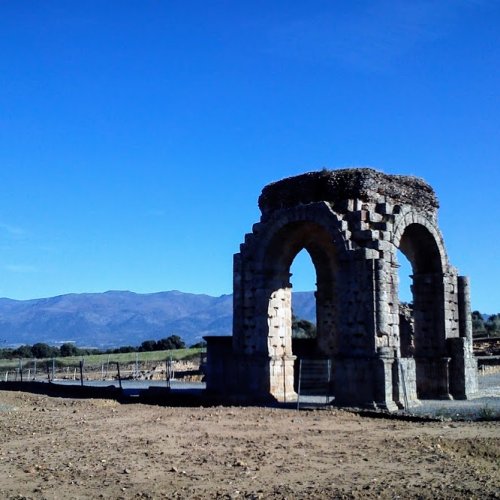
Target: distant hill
column 117, row 318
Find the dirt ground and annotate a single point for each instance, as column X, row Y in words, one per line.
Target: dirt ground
column 65, row 448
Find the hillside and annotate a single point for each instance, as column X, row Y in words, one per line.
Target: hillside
column 118, row 318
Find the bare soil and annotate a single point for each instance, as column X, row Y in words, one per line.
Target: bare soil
column 65, row 448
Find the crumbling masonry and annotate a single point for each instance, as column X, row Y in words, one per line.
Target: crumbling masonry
column 351, row 222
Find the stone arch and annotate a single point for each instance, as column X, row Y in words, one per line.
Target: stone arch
column 267, row 256
column 422, row 244
column 284, row 247
column 351, row 222
column 319, row 213
column 421, row 227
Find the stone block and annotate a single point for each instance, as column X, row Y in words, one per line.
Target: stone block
column 363, row 235
column 384, row 208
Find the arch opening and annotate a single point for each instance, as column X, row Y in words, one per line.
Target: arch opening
column 303, row 281
column 405, row 297
column 295, row 241
column 422, row 332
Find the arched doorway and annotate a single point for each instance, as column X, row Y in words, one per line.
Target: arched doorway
column 422, row 331
column 303, row 281
column 282, row 249
column 405, row 296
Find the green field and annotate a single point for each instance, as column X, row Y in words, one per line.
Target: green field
column 99, row 359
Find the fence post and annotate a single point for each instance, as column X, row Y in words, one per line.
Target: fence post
column 53, row 368
column 168, row 370
column 21, row 368
column 34, row 369
column 119, row 375
column 81, row 372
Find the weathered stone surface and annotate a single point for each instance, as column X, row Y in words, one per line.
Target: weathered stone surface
column 337, row 186
column 352, row 222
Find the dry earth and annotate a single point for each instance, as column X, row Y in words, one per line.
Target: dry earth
column 66, row 448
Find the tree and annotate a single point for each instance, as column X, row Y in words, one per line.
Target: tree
column 125, row 348
column 478, row 328
column 302, row 329
column 148, row 345
column 199, row 345
column 69, row 349
column 24, row 351
column 169, row 343
column 492, row 325
column 41, row 350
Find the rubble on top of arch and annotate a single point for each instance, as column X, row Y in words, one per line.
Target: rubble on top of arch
column 337, row 186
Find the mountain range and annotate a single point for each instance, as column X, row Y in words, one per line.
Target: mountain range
column 118, row 318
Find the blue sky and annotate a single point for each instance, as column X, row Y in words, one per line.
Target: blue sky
column 136, row 136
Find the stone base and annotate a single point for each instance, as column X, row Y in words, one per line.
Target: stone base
column 380, row 381
column 405, row 383
column 364, row 382
column 282, row 378
column 463, row 369
column 246, row 379
column 432, row 378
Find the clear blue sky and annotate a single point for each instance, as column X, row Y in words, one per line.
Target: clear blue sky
column 136, row 136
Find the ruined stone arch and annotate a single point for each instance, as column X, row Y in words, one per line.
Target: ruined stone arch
column 422, row 336
column 423, row 224
column 265, row 260
column 351, row 222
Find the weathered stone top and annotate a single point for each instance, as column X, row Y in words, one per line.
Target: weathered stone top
column 336, row 186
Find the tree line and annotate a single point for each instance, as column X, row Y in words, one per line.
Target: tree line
column 41, row 350
column 488, row 328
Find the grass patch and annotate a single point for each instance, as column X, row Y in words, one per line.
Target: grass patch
column 488, row 413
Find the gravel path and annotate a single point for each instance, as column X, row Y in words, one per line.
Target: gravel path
column 484, row 405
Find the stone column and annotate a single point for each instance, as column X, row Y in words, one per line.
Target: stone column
column 383, row 376
column 281, row 358
column 464, row 308
column 463, row 366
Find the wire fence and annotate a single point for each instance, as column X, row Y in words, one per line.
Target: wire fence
column 53, row 370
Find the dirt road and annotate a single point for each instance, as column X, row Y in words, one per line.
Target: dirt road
column 63, row 448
